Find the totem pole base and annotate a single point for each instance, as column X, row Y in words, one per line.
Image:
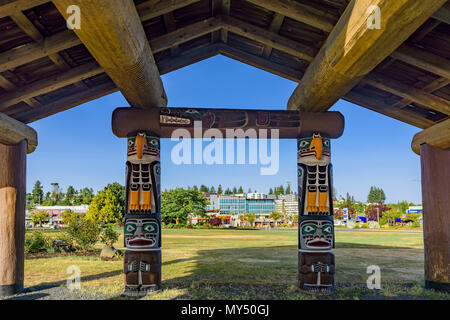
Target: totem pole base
column 316, row 271
column 142, row 272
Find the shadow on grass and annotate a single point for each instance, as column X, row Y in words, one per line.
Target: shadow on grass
column 261, row 273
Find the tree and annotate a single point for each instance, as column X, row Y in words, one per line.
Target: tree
column 376, row 195
column 391, row 215
column 203, row 188
column 195, row 187
column 179, row 203
column 288, row 189
column 212, row 190
column 281, row 189
column 70, row 194
column 234, row 190
column 105, row 208
column 375, row 211
column 249, row 190
column 270, row 191
column 56, row 192
column 119, row 192
column 241, row 190
column 228, row 191
column 251, row 217
column 39, row 217
column 87, row 194
column 37, row 193
column 275, row 216
column 219, row 189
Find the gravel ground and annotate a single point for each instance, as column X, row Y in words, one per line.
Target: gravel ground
column 54, row 293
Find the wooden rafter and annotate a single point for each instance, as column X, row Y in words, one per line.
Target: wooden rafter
column 353, row 49
column 169, row 22
column 226, row 5
column 398, row 88
column 261, row 63
column 190, row 32
column 11, row 7
column 297, row 11
column 48, row 85
column 430, row 88
column 378, row 105
column 13, row 132
column 149, row 9
column 114, row 35
column 33, row 51
column 423, row 59
column 443, row 14
column 275, row 26
column 270, row 39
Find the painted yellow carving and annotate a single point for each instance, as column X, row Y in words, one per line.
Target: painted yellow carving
column 323, row 206
column 146, row 200
column 311, row 207
column 316, row 145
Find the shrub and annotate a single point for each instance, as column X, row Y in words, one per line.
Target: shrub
column 84, row 232
column 35, row 242
column 108, row 235
column 365, row 225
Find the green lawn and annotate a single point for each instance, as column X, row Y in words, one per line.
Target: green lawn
column 233, row 264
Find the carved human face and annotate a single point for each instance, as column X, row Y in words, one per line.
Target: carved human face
column 315, row 148
column 141, row 146
column 141, row 233
column 316, row 234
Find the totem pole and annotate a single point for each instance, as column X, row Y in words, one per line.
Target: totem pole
column 316, row 227
column 142, row 234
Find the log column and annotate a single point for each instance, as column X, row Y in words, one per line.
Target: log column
column 12, row 216
column 435, row 165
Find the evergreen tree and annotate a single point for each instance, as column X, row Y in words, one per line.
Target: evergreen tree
column 281, row 189
column 234, row 190
column 270, row 191
column 203, row 188
column 219, row 189
column 195, row 188
column 212, row 190
column 37, row 195
column 288, row 189
column 228, row 191
column 240, row 191
column 249, row 190
column 376, row 195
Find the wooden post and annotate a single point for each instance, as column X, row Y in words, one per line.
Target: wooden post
column 435, row 164
column 12, row 216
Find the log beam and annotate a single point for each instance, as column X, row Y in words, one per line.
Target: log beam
column 291, row 124
column 353, row 49
column 437, row 136
column 113, row 34
column 275, row 26
column 13, row 131
column 10, row 7
column 435, row 169
column 12, row 216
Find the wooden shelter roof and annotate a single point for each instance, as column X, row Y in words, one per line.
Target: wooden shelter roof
column 45, row 68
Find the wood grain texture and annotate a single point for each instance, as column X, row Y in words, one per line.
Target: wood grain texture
column 112, row 32
column 435, row 166
column 437, row 136
column 352, row 50
column 13, row 131
column 12, row 215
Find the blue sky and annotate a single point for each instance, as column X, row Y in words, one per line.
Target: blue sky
column 77, row 147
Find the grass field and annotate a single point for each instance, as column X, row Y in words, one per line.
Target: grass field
column 233, row 264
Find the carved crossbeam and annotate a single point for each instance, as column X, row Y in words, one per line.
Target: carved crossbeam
column 162, row 122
